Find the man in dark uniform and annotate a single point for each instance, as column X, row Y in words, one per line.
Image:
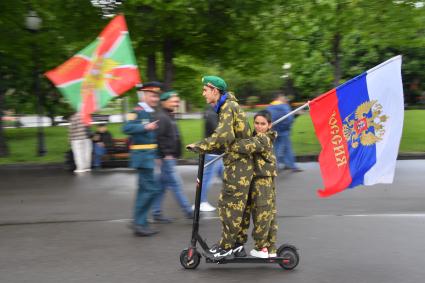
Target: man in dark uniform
column 141, row 125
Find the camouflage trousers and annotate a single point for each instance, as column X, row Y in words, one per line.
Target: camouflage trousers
column 261, row 205
column 233, row 198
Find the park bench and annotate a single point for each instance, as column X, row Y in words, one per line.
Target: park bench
column 119, row 151
column 117, row 156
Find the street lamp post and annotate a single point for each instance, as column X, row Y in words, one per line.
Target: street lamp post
column 33, row 24
column 288, row 87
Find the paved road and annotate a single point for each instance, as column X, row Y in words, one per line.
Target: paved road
column 56, row 227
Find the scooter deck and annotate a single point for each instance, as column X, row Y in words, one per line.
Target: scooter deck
column 248, row 259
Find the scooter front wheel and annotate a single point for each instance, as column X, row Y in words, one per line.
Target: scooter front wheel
column 190, row 264
column 290, row 257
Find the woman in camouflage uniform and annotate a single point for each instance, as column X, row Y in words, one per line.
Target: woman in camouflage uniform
column 238, row 167
column 262, row 195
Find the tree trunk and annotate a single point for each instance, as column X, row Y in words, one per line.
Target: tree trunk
column 4, row 149
column 336, row 49
column 168, row 54
column 289, row 89
column 152, row 67
column 50, row 101
column 336, row 60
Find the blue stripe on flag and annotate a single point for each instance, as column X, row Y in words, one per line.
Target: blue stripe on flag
column 350, row 96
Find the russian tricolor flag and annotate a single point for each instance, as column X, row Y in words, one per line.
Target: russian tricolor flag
column 359, row 126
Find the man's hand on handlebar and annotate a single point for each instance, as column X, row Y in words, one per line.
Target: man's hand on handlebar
column 192, row 147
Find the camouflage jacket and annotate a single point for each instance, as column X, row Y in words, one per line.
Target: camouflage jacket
column 261, row 147
column 232, row 125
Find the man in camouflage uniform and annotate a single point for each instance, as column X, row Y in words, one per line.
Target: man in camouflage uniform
column 262, row 195
column 238, row 167
column 141, row 125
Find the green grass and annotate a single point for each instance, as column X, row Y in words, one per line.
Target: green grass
column 191, row 131
column 413, row 138
column 22, row 142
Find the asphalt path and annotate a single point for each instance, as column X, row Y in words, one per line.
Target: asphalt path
column 57, row 227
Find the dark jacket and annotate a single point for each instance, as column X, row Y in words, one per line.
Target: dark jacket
column 277, row 111
column 210, row 124
column 105, row 138
column 168, row 135
column 211, row 121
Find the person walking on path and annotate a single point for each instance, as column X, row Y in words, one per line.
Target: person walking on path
column 81, row 144
column 141, row 125
column 169, row 149
column 215, row 169
column 282, row 145
column 238, row 167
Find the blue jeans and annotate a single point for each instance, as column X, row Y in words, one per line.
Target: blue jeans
column 169, row 179
column 283, row 150
column 215, row 169
column 147, row 191
column 99, row 151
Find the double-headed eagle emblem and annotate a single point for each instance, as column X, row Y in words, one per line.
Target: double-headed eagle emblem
column 365, row 125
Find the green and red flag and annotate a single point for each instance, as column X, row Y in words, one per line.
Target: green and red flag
column 106, row 68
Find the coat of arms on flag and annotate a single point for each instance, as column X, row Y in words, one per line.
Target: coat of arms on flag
column 103, row 70
column 359, row 126
column 366, row 125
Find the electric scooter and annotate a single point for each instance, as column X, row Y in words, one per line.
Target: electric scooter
column 287, row 255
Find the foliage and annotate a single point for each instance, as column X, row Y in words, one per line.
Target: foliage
column 252, row 100
column 329, row 41
column 245, row 41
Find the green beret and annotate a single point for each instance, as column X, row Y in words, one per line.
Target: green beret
column 214, row 81
column 167, row 95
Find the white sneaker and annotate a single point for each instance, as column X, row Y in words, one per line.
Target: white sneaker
column 273, row 255
column 79, row 171
column 261, row 254
column 206, row 207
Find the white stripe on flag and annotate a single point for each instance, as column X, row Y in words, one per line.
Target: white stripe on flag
column 83, row 56
column 110, row 90
column 70, row 83
column 384, row 84
column 116, row 44
column 125, row 66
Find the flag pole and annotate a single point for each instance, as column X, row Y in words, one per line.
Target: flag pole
column 274, row 123
column 291, row 113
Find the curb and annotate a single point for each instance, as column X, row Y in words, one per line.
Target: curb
column 123, row 163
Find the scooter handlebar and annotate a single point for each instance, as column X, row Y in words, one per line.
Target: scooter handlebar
column 191, row 148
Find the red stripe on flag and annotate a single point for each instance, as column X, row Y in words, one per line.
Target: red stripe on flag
column 111, row 33
column 334, row 157
column 123, row 79
column 73, row 69
column 88, row 106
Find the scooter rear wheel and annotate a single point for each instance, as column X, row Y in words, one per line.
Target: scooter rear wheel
column 193, row 263
column 290, row 257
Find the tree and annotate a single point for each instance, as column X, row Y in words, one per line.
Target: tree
column 194, row 32
column 11, row 19
column 330, row 41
